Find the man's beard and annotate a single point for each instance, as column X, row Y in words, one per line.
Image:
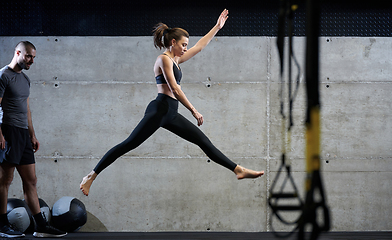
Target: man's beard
column 24, row 65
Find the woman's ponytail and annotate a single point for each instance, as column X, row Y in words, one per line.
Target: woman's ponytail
column 163, row 35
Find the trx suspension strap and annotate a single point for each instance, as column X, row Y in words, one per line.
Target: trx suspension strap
column 315, row 212
column 285, row 198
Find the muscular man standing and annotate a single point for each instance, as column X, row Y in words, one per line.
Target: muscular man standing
column 18, row 141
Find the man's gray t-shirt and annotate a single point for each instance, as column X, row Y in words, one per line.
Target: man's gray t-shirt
column 14, row 91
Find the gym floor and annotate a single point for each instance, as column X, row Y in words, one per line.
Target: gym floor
column 217, row 235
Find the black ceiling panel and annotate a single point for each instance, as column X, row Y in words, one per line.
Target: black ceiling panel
column 127, row 18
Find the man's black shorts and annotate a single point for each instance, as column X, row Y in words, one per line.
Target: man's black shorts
column 19, row 149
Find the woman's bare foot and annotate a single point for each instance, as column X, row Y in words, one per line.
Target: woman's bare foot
column 242, row 172
column 87, row 181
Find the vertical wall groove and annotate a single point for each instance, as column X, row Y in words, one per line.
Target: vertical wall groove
column 268, row 128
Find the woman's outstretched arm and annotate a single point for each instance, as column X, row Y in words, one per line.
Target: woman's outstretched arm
column 203, row 42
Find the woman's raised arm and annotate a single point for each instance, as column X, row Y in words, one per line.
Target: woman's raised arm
column 203, row 42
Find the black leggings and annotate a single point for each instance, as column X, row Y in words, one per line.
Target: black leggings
column 163, row 112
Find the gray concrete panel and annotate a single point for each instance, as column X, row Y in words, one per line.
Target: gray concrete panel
column 360, row 200
column 356, row 120
column 342, row 59
column 355, row 59
column 227, row 59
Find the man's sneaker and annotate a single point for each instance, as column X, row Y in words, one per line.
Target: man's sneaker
column 48, row 231
column 8, row 232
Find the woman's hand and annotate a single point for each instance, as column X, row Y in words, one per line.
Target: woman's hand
column 203, row 42
column 222, row 18
column 198, row 117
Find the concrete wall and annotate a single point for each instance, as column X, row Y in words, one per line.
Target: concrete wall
column 88, row 93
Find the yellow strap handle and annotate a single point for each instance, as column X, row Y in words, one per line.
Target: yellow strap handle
column 312, row 144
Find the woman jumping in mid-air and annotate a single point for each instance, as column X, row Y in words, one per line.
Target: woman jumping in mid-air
column 163, row 111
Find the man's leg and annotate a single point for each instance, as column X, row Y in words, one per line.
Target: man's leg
column 6, row 177
column 29, row 180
